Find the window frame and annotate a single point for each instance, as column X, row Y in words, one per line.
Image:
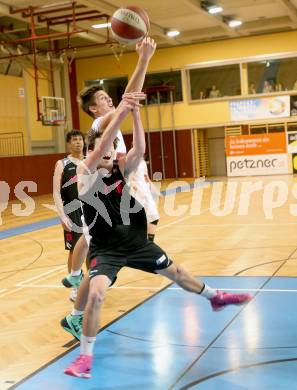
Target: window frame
column 180, row 70
column 241, row 61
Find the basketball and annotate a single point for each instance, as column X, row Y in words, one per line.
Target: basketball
column 129, row 24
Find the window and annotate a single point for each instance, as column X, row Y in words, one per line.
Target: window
column 115, row 87
column 275, row 75
column 276, row 128
column 215, row 82
column 293, row 105
column 159, row 87
column 292, row 126
column 258, row 129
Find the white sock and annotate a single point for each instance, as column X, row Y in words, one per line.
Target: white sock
column 208, row 292
column 76, row 312
column 75, row 273
column 87, row 345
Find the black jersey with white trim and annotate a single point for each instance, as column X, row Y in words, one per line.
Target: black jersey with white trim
column 115, row 219
column 69, row 190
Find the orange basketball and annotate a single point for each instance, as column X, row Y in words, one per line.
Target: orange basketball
column 130, row 24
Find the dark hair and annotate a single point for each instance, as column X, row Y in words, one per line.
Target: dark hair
column 86, row 98
column 93, row 135
column 74, row 133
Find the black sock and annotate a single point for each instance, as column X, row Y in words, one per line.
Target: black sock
column 151, row 237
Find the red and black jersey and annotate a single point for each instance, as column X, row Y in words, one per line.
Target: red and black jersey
column 114, row 218
column 69, row 192
column 69, row 181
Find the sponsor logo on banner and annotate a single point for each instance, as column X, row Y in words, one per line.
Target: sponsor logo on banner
column 260, row 108
column 292, row 142
column 248, row 145
column 266, row 164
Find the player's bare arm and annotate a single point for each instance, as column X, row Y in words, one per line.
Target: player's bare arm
column 92, row 162
column 136, row 153
column 145, row 50
column 57, row 179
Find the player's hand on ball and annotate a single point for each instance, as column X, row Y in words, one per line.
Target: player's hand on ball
column 146, row 48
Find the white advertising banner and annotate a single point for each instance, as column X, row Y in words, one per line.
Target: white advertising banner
column 261, row 108
column 258, row 165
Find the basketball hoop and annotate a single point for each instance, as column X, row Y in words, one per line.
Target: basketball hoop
column 48, row 122
column 53, row 111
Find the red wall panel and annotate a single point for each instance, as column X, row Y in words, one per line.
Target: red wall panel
column 39, row 169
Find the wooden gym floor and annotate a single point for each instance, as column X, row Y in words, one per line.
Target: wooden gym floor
column 262, row 241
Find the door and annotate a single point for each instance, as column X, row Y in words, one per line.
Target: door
column 156, row 152
column 217, row 157
column 168, row 150
column 184, row 153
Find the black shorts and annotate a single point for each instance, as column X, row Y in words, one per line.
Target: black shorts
column 149, row 258
column 70, row 239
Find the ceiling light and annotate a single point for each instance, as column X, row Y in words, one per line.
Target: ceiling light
column 101, row 25
column 211, row 7
column 234, row 23
column 215, row 9
column 172, row 33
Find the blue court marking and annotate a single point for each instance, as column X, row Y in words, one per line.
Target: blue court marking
column 153, row 346
column 56, row 221
column 31, row 227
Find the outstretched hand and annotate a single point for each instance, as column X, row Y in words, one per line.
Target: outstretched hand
column 146, row 48
column 130, row 100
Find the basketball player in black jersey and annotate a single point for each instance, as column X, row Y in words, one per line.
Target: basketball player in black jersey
column 66, row 195
column 118, row 228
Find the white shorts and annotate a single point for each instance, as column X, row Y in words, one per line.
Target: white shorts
column 85, row 230
column 145, row 198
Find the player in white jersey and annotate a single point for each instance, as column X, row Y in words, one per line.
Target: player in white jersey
column 95, row 102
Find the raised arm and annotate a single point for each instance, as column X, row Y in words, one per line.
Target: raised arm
column 130, row 102
column 136, row 153
column 145, row 50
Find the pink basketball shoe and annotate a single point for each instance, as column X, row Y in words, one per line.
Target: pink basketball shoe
column 222, row 299
column 81, row 367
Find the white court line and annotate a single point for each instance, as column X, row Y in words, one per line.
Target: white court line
column 3, row 290
column 40, row 276
column 276, row 224
column 24, row 283
column 41, row 286
column 9, row 292
column 169, row 288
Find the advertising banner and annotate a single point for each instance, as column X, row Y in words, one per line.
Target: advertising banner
column 266, row 164
column 292, row 142
column 260, row 108
column 257, row 144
